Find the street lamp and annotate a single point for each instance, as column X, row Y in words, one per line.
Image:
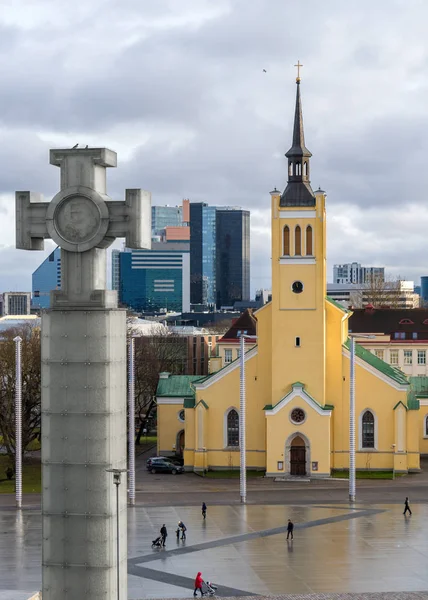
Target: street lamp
column 117, row 476
column 18, row 421
column 242, row 421
column 131, row 418
column 352, row 336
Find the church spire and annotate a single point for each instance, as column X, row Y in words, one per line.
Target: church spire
column 298, row 191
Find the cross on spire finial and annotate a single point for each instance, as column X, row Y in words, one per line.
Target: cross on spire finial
column 298, row 71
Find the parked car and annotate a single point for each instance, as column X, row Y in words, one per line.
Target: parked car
column 165, row 466
column 155, row 459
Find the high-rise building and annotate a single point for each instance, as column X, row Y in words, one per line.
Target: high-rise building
column 156, row 279
column 16, row 303
column 202, row 254
column 424, row 290
column 166, row 216
column 355, row 273
column 232, row 256
column 46, row 277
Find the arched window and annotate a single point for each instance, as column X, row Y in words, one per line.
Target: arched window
column 298, row 241
column 368, row 430
column 305, row 168
column 309, row 251
column 233, row 428
column 290, row 169
column 286, row 241
column 426, row 426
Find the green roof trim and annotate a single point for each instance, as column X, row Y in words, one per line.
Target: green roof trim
column 301, row 385
column 203, row 403
column 380, row 365
column 177, row 386
column 413, row 404
column 207, row 377
column 398, row 404
column 337, row 304
column 189, row 403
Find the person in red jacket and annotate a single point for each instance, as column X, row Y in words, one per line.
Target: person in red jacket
column 198, row 584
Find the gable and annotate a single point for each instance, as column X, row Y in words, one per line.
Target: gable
column 298, row 391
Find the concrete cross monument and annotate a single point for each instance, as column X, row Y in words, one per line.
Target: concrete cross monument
column 83, row 375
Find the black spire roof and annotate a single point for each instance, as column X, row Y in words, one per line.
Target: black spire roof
column 298, row 191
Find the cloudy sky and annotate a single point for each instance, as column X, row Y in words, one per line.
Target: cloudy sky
column 177, row 88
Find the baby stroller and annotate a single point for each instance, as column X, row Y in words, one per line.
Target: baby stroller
column 157, row 543
column 209, row 588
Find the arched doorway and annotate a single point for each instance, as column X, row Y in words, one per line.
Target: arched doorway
column 298, row 456
column 179, row 446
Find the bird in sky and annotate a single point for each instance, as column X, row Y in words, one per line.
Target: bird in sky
column 75, row 146
column 264, row 71
column 87, row 146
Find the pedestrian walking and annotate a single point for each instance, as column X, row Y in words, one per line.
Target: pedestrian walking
column 290, row 529
column 181, row 527
column 164, row 534
column 198, row 584
column 204, row 510
column 406, row 506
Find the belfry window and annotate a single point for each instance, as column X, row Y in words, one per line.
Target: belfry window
column 290, row 169
column 298, row 241
column 286, row 241
column 305, row 168
column 309, row 250
column 368, row 430
column 233, row 428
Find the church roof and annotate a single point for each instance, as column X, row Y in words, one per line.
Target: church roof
column 337, row 304
column 178, row 386
column 245, row 324
column 379, row 364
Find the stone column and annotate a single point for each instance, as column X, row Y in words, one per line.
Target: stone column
column 83, row 377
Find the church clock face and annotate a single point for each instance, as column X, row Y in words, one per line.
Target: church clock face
column 297, row 287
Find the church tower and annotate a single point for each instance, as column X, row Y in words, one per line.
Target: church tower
column 298, row 275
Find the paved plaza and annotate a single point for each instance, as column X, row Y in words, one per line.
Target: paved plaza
column 369, row 548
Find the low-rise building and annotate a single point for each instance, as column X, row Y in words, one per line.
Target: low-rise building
column 16, row 303
column 228, row 346
column 401, row 336
column 400, row 294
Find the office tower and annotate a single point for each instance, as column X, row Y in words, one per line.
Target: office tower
column 156, row 279
column 232, row 256
column 46, row 277
column 202, row 254
column 166, row 216
column 355, row 273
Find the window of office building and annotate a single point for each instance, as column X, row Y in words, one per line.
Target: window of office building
column 422, row 357
column 227, row 356
column 379, row 354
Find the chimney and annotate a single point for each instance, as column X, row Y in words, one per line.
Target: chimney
column 164, row 375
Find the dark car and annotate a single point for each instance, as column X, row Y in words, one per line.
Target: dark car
column 165, row 466
column 156, row 459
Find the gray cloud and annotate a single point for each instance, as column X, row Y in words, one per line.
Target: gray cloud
column 181, row 87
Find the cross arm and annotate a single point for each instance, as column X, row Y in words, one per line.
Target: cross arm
column 31, row 229
column 131, row 219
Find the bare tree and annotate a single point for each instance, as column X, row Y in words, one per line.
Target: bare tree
column 31, row 386
column 382, row 292
column 160, row 350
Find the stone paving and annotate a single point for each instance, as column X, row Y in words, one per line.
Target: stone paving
column 243, row 549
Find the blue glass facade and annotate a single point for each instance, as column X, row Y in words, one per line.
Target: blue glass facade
column 46, row 277
column 151, row 280
column 202, row 253
column 166, row 216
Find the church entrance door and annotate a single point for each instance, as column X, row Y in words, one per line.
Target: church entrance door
column 179, row 447
column 298, row 457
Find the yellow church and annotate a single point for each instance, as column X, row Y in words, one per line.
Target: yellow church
column 297, row 373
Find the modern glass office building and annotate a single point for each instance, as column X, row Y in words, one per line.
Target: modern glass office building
column 232, row 256
column 202, row 254
column 153, row 280
column 46, row 277
column 166, row 216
